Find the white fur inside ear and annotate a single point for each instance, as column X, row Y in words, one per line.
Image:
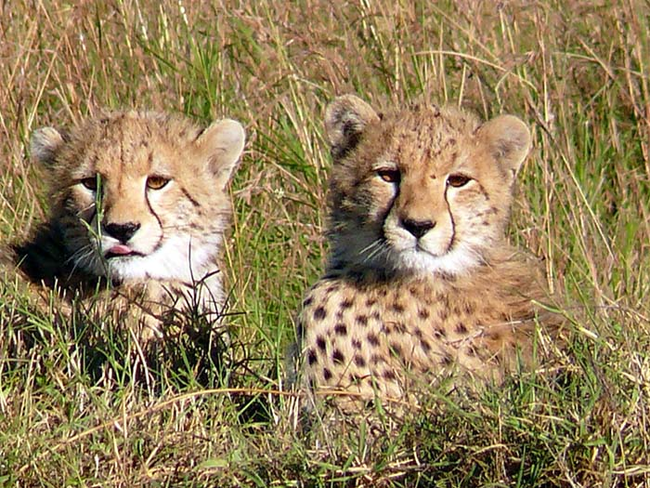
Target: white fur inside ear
column 45, row 143
column 509, row 139
column 222, row 144
column 345, row 119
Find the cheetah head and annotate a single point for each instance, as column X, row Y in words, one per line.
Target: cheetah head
column 424, row 190
column 139, row 195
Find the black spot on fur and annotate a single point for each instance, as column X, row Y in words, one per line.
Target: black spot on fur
column 320, row 342
column 398, row 307
column 373, row 339
column 312, row 358
column 426, row 347
column 341, row 329
column 347, row 303
column 320, row 313
column 327, row 374
column 359, row 361
column 337, row 356
column 461, row 329
column 389, row 375
column 356, row 343
column 362, row 320
column 331, row 289
column 307, row 301
column 423, row 313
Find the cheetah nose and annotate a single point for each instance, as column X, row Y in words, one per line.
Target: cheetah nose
column 417, row 227
column 121, row 232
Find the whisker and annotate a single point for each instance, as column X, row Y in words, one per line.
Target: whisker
column 370, row 246
column 79, row 252
column 81, row 255
column 376, row 248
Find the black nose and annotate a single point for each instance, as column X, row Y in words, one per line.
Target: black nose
column 417, row 227
column 122, row 232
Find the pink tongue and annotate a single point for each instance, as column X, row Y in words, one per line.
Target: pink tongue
column 120, row 249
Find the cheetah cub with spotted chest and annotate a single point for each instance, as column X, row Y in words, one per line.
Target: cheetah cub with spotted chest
column 420, row 281
column 138, row 210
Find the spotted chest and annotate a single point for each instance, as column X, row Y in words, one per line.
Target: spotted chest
column 378, row 338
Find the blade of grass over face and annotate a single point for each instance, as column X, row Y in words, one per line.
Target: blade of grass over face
column 79, row 406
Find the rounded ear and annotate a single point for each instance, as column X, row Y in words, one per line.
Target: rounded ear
column 45, row 144
column 509, row 141
column 221, row 144
column 345, row 119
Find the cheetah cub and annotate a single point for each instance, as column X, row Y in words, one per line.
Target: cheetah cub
column 138, row 210
column 420, row 281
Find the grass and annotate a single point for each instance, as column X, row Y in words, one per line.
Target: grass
column 74, row 409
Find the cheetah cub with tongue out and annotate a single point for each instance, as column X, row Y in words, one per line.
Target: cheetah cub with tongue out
column 421, row 281
column 138, row 211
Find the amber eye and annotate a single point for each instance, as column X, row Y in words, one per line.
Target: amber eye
column 458, row 180
column 157, row 182
column 389, row 175
column 90, row 183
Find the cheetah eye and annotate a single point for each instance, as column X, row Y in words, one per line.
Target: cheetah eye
column 389, row 175
column 458, row 180
column 157, row 182
column 91, row 182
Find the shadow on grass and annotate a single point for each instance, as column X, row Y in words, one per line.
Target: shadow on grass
column 194, row 352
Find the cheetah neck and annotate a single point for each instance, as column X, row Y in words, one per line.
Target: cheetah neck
column 503, row 273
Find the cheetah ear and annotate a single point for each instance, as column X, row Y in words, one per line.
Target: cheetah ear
column 45, row 144
column 345, row 120
column 222, row 144
column 509, row 141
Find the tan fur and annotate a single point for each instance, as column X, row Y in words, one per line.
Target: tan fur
column 161, row 199
column 399, row 306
